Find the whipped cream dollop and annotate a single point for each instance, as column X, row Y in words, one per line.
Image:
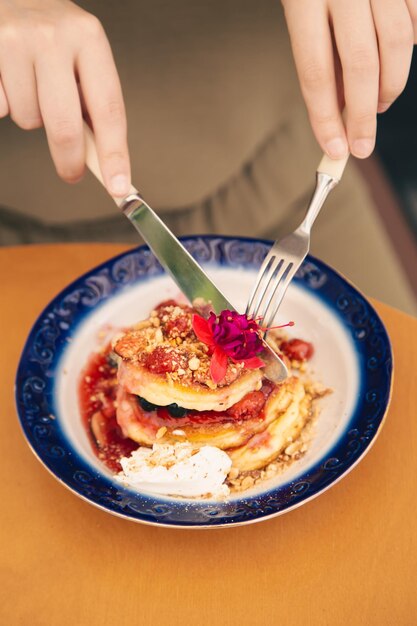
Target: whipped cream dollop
column 177, row 470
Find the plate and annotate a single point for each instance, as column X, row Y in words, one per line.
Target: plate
column 352, row 356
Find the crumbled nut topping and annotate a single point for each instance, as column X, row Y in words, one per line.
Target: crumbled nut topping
column 166, row 344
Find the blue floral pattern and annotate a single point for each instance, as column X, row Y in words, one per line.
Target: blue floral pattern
column 51, row 332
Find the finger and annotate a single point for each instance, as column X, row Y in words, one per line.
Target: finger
column 84, row 111
column 311, row 42
column 412, row 9
column 61, row 112
column 4, row 105
column 104, row 101
column 395, row 41
column 19, row 85
column 339, row 79
column 356, row 42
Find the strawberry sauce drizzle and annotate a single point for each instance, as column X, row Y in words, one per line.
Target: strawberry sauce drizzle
column 97, row 395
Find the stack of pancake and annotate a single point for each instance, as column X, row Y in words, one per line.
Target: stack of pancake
column 166, row 394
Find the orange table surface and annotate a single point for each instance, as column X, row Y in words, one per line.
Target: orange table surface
column 347, row 557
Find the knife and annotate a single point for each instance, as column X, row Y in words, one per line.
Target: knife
column 177, row 261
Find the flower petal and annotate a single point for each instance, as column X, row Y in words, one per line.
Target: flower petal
column 218, row 365
column 202, row 330
column 253, row 363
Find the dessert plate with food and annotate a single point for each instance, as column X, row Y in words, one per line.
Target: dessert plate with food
column 161, row 411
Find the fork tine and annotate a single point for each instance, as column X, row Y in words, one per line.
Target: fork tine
column 265, row 267
column 269, row 269
column 266, row 284
column 278, row 294
column 270, row 293
column 269, row 289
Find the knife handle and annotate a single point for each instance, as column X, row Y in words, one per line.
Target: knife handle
column 91, row 159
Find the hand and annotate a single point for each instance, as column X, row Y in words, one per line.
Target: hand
column 55, row 63
column 354, row 54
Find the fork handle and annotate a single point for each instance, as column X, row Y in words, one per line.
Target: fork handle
column 329, row 173
column 333, row 167
column 324, row 185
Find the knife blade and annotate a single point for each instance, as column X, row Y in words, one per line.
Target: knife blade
column 174, row 258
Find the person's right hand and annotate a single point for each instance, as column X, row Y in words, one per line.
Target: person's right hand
column 353, row 55
column 55, row 63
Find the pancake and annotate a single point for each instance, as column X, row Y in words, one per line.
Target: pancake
column 264, row 447
column 218, row 429
column 161, row 390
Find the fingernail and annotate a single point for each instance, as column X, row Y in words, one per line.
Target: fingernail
column 362, row 148
column 119, row 185
column 336, row 148
column 383, row 106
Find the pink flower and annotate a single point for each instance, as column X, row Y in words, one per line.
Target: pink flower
column 229, row 336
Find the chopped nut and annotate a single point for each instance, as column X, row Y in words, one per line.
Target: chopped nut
column 234, row 473
column 247, row 482
column 194, row 363
column 293, row 448
column 142, row 324
column 161, row 432
column 317, row 389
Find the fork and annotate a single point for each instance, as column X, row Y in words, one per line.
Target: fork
column 286, row 255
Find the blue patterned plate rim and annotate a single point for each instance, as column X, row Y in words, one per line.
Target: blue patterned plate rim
column 48, row 339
